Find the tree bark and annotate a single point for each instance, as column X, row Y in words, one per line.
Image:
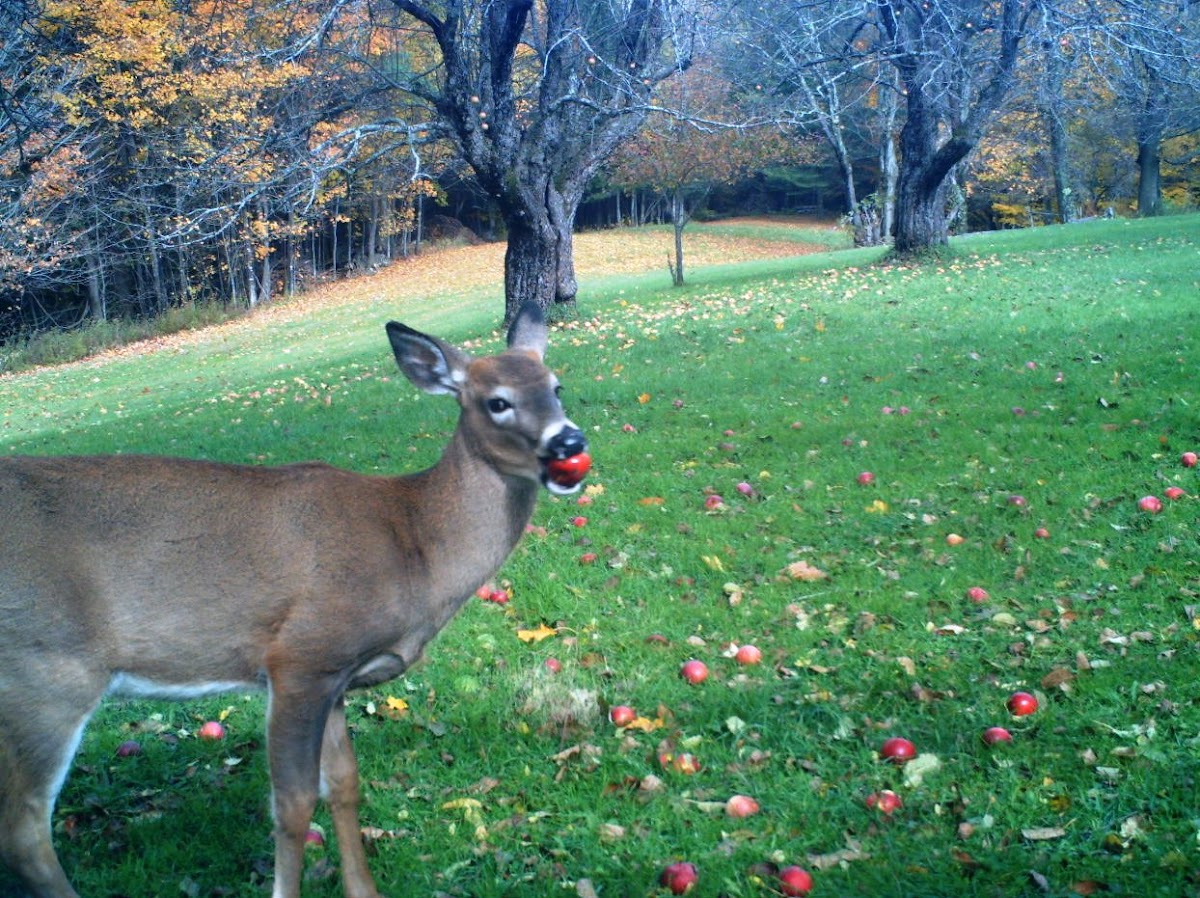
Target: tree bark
column 1149, row 165
column 942, row 125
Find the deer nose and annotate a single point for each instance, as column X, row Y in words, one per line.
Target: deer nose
column 567, row 442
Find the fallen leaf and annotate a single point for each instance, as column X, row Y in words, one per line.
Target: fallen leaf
column 1042, row 883
column 852, row 852
column 536, row 635
column 652, row 500
column 1043, row 833
column 1058, row 678
column 803, row 571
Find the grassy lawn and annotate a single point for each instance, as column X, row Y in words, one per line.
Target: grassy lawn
column 1021, row 393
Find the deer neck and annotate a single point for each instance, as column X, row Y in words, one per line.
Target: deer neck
column 481, row 514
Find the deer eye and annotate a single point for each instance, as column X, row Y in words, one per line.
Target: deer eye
column 498, row 406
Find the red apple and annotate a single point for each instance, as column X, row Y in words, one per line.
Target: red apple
column 588, row 558
column 741, row 806
column 129, row 749
column 694, row 671
column 1174, row 492
column 898, row 750
column 211, row 730
column 553, row 665
column 314, row 838
column 569, row 471
column 499, row 596
column 866, row 478
column 1152, row 504
column 1022, row 703
column 953, row 539
column 1017, row 501
column 1042, row 533
column 713, row 502
column 745, row 489
column 1189, row 459
column 994, row 735
column 621, row 715
column 684, row 762
column 885, row 801
column 978, row 594
column 748, row 654
column 679, row 877
column 795, row 881
column 579, row 521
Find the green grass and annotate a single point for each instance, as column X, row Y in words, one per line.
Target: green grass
column 777, row 377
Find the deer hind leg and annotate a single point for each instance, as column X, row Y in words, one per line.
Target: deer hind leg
column 339, row 782
column 37, row 742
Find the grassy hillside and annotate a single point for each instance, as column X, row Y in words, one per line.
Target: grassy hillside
column 1019, row 393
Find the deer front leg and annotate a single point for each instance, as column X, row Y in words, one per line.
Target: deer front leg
column 295, row 727
column 340, row 789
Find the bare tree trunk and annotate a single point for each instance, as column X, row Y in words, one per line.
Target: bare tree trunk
column 679, row 220
column 889, row 166
column 97, row 306
column 1149, row 164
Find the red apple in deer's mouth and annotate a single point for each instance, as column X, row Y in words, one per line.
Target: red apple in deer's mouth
column 569, row 471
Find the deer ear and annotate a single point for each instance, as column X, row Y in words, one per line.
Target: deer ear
column 432, row 365
column 528, row 331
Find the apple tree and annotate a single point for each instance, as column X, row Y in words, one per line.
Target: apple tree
column 535, row 97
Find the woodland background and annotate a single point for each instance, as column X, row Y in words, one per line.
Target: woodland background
column 162, row 154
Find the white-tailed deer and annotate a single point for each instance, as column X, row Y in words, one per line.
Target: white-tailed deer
column 174, row 578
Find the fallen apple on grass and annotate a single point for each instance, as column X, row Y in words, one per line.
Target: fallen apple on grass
column 212, row 730
column 898, row 750
column 996, row 735
column 1151, row 504
column 694, row 671
column 978, row 594
column 866, row 478
column 1174, row 492
column 621, row 715
column 1021, row 703
column 679, row 877
column 748, row 654
column 1189, row 459
column 741, row 806
column 795, row 881
column 129, row 748
column 885, row 801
